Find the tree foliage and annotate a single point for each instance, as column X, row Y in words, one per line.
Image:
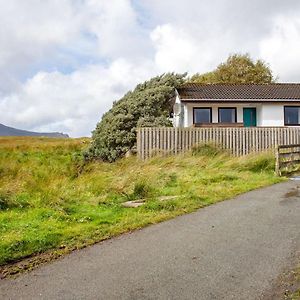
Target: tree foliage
column 237, row 69
column 149, row 104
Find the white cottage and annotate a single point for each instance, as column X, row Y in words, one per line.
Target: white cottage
column 242, row 105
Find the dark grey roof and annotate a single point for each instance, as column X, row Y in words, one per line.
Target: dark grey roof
column 272, row 91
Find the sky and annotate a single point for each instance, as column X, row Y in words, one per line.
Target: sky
column 64, row 62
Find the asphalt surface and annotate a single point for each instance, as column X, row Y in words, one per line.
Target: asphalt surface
column 232, row 250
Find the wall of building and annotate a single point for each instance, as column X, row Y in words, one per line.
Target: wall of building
column 267, row 114
column 272, row 115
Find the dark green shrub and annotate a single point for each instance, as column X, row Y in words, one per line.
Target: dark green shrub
column 149, row 104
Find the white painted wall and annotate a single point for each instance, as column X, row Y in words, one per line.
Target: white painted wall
column 268, row 114
column 272, row 115
column 187, row 116
column 259, row 115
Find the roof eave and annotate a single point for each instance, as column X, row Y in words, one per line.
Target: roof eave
column 238, row 100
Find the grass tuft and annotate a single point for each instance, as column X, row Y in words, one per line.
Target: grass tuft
column 142, row 189
column 255, row 163
column 207, row 149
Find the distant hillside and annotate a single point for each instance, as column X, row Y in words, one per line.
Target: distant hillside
column 9, row 131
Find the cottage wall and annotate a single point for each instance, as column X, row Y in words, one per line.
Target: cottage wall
column 272, row 115
column 268, row 114
column 188, row 119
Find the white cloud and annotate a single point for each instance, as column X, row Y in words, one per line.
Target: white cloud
column 36, row 34
column 30, row 30
column 281, row 49
column 174, row 49
column 182, row 50
column 115, row 25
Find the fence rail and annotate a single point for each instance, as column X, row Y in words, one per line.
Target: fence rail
column 239, row 141
column 287, row 157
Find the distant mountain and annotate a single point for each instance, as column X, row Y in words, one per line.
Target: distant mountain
column 9, row 131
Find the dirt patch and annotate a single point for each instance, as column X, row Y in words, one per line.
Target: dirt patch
column 293, row 193
column 140, row 202
column 287, row 285
column 291, row 196
column 31, row 263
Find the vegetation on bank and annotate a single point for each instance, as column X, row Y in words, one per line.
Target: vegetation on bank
column 50, row 200
column 296, row 282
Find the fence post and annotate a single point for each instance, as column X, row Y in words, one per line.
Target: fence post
column 176, row 140
column 277, row 162
column 138, row 142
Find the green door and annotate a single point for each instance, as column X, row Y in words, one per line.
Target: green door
column 249, row 115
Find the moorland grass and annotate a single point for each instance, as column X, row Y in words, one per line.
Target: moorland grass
column 50, row 200
column 296, row 294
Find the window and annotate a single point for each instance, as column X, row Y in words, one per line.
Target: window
column 227, row 115
column 202, row 115
column 291, row 115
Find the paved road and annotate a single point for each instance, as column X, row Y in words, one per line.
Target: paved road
column 231, row 250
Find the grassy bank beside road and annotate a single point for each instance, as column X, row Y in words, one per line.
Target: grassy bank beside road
column 296, row 294
column 49, row 200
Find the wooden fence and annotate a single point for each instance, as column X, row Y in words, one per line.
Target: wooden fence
column 239, row 141
column 287, row 157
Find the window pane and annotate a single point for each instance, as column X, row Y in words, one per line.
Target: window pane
column 202, row 115
column 291, row 115
column 227, row 115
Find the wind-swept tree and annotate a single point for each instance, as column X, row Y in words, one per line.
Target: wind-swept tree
column 149, row 104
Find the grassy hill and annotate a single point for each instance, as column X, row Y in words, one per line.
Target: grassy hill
column 50, row 201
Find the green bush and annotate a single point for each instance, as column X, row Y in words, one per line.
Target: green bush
column 148, row 105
